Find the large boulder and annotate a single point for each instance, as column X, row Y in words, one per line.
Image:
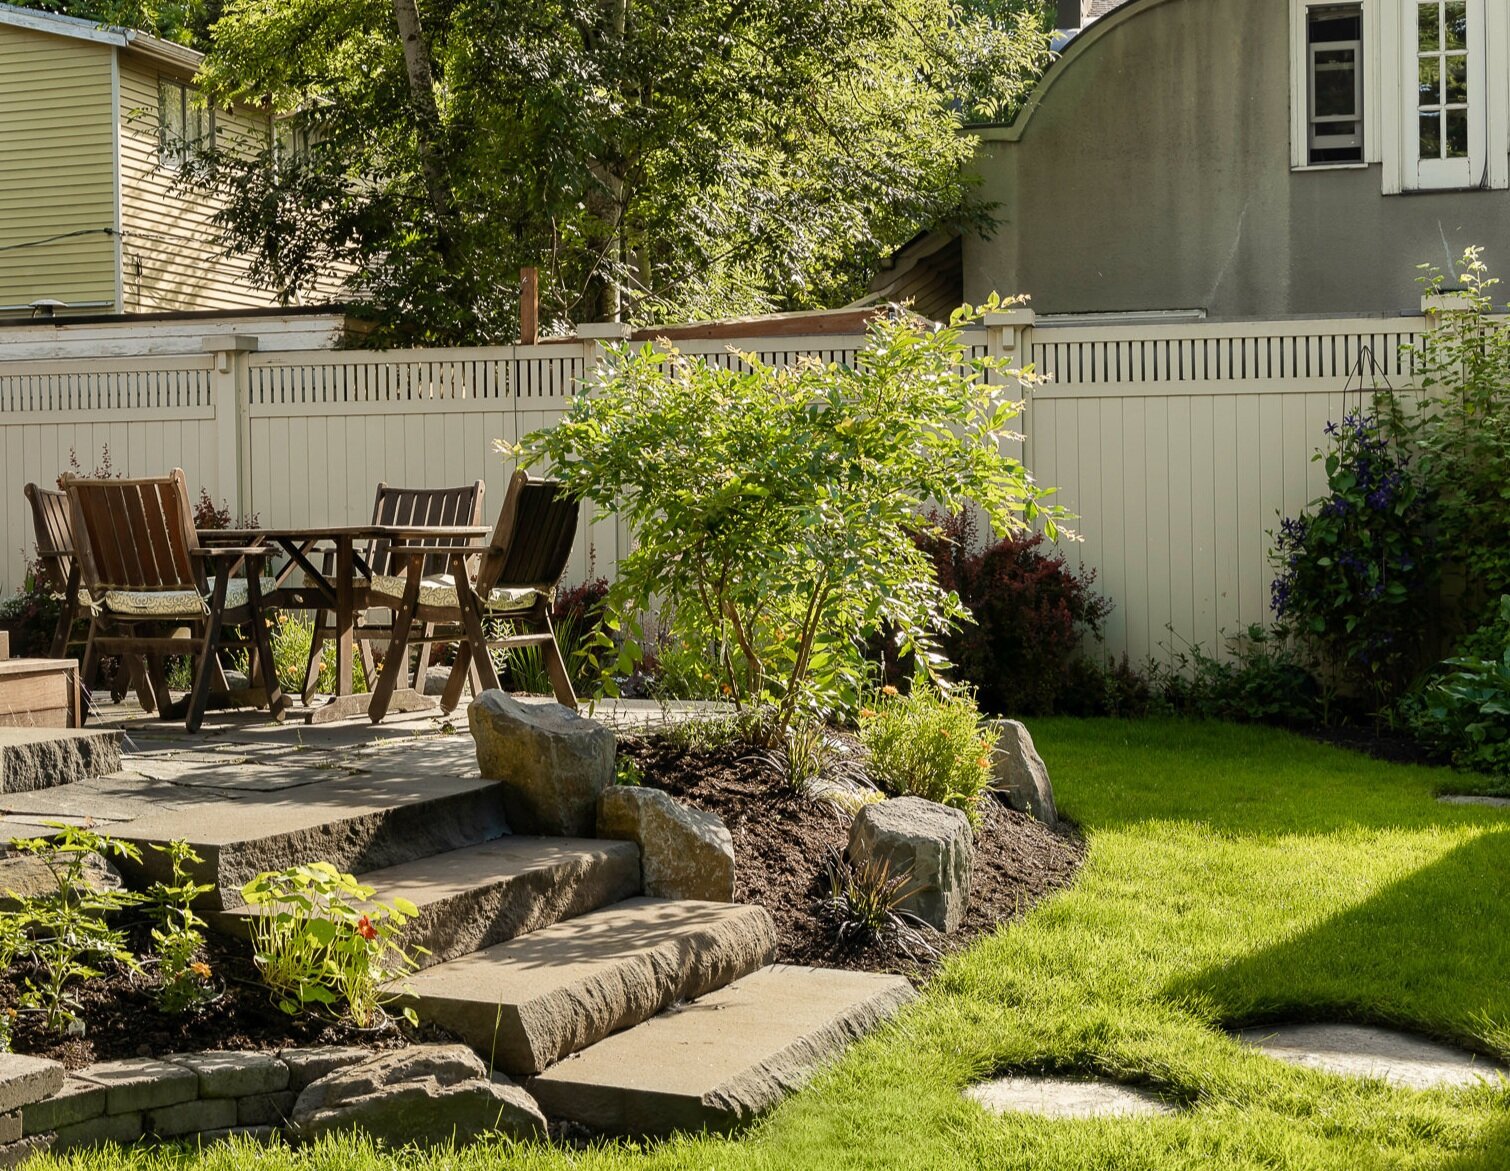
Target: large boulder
column 684, row 853
column 930, row 842
column 428, row 1095
column 28, row 876
column 1020, row 775
column 553, row 763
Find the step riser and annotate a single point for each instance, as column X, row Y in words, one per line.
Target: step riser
column 41, row 758
column 370, row 840
column 495, row 912
column 724, row 1061
column 528, row 1036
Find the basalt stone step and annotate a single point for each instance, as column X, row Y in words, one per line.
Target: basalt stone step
column 43, row 758
column 356, row 824
column 472, row 898
column 525, row 1004
column 721, row 1061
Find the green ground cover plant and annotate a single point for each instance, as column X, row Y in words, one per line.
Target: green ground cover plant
column 1236, row 874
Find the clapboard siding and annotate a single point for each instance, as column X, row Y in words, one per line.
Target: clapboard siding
column 57, row 174
column 171, row 258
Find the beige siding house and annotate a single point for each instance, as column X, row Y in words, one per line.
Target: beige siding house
column 91, row 119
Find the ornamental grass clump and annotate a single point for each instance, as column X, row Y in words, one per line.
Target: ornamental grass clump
column 929, row 744
column 773, row 508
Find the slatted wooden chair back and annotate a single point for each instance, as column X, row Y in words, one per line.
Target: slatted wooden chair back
column 533, row 539
column 54, row 534
column 134, row 534
column 417, row 507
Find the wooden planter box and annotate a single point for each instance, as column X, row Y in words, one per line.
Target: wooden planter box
column 39, row 693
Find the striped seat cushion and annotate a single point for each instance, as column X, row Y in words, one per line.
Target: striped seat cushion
column 176, row 603
column 440, row 591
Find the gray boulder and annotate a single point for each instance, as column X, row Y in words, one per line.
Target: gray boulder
column 427, row 1095
column 27, row 876
column 1020, row 774
column 553, row 763
column 931, row 842
column 684, row 853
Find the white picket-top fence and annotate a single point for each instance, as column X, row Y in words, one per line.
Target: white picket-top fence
column 1177, row 445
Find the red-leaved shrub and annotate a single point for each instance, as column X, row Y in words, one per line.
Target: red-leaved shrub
column 1032, row 612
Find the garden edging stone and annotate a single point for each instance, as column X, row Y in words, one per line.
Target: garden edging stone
column 931, row 843
column 685, row 853
column 1019, row 773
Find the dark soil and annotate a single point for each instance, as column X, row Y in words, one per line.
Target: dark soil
column 1394, row 747
column 122, row 1019
column 781, row 842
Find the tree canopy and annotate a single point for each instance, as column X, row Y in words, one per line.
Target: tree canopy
column 661, row 160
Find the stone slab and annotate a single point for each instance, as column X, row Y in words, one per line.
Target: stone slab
column 1065, row 1097
column 1473, row 799
column 525, row 1004
column 44, row 758
column 77, row 1101
column 24, row 1080
column 107, row 1128
column 1364, row 1051
column 311, row 1063
column 265, row 1109
column 233, row 1074
column 10, row 1128
column 722, row 1060
column 141, row 1084
column 16, row 1153
column 191, row 1117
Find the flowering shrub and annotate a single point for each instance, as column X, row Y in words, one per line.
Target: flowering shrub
column 320, row 939
column 928, row 744
column 1030, row 614
column 1356, row 569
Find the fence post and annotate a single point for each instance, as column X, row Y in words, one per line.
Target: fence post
column 1009, row 340
column 232, row 432
column 596, row 337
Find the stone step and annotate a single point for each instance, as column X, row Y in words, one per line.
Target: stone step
column 472, row 898
column 357, row 824
column 721, row 1061
column 43, row 758
column 525, row 1004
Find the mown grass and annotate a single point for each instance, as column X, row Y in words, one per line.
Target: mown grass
column 1235, row 875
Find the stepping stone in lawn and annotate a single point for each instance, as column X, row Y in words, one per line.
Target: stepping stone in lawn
column 1472, row 799
column 1401, row 1059
column 1066, row 1097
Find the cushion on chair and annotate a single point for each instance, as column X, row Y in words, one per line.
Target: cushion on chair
column 176, row 603
column 440, row 591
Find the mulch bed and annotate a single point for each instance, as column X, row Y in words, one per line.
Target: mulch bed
column 1381, row 744
column 122, row 1019
column 781, row 841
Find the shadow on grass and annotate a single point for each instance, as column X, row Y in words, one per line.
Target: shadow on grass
column 1429, row 952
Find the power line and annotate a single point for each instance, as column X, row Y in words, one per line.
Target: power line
column 55, row 239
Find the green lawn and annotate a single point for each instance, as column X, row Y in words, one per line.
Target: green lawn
column 1235, row 875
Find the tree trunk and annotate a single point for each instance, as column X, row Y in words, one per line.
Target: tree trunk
column 426, row 117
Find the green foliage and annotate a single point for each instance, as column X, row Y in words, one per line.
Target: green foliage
column 183, row 978
column 59, row 937
column 928, row 744
column 320, row 939
column 683, row 159
column 1465, row 708
column 802, row 759
column 186, row 22
column 1356, row 569
column 773, row 508
column 1263, row 681
column 627, row 772
column 291, row 635
column 864, row 904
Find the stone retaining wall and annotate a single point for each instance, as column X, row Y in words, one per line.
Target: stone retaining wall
column 208, row 1095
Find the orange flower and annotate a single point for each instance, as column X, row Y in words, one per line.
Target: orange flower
column 888, row 690
column 867, row 714
column 200, row 969
column 365, row 928
column 983, row 763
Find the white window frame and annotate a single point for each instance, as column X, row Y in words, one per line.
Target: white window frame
column 1390, row 108
column 1444, row 174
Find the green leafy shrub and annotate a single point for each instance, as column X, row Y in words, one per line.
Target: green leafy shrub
column 1263, row 681
column 183, row 978
column 772, row 508
column 1465, row 709
column 320, row 939
column 928, row 744
column 57, row 939
column 864, row 904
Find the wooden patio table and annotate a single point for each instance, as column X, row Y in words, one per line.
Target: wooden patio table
column 343, row 592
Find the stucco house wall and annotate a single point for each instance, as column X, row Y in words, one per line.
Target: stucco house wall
column 1153, row 172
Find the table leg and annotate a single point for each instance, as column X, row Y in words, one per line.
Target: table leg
column 345, row 612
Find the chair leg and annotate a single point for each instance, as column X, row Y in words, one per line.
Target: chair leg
column 486, row 675
column 422, row 656
column 555, row 666
column 396, row 657
column 66, row 618
column 162, row 698
column 90, row 665
column 205, row 669
column 457, row 679
column 262, row 652
column 316, row 653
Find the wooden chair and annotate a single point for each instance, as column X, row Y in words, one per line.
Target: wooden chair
column 58, row 568
column 150, row 590
column 410, row 507
column 515, row 582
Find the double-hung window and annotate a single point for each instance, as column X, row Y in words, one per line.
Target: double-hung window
column 1445, row 144
column 185, row 123
column 1335, row 108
